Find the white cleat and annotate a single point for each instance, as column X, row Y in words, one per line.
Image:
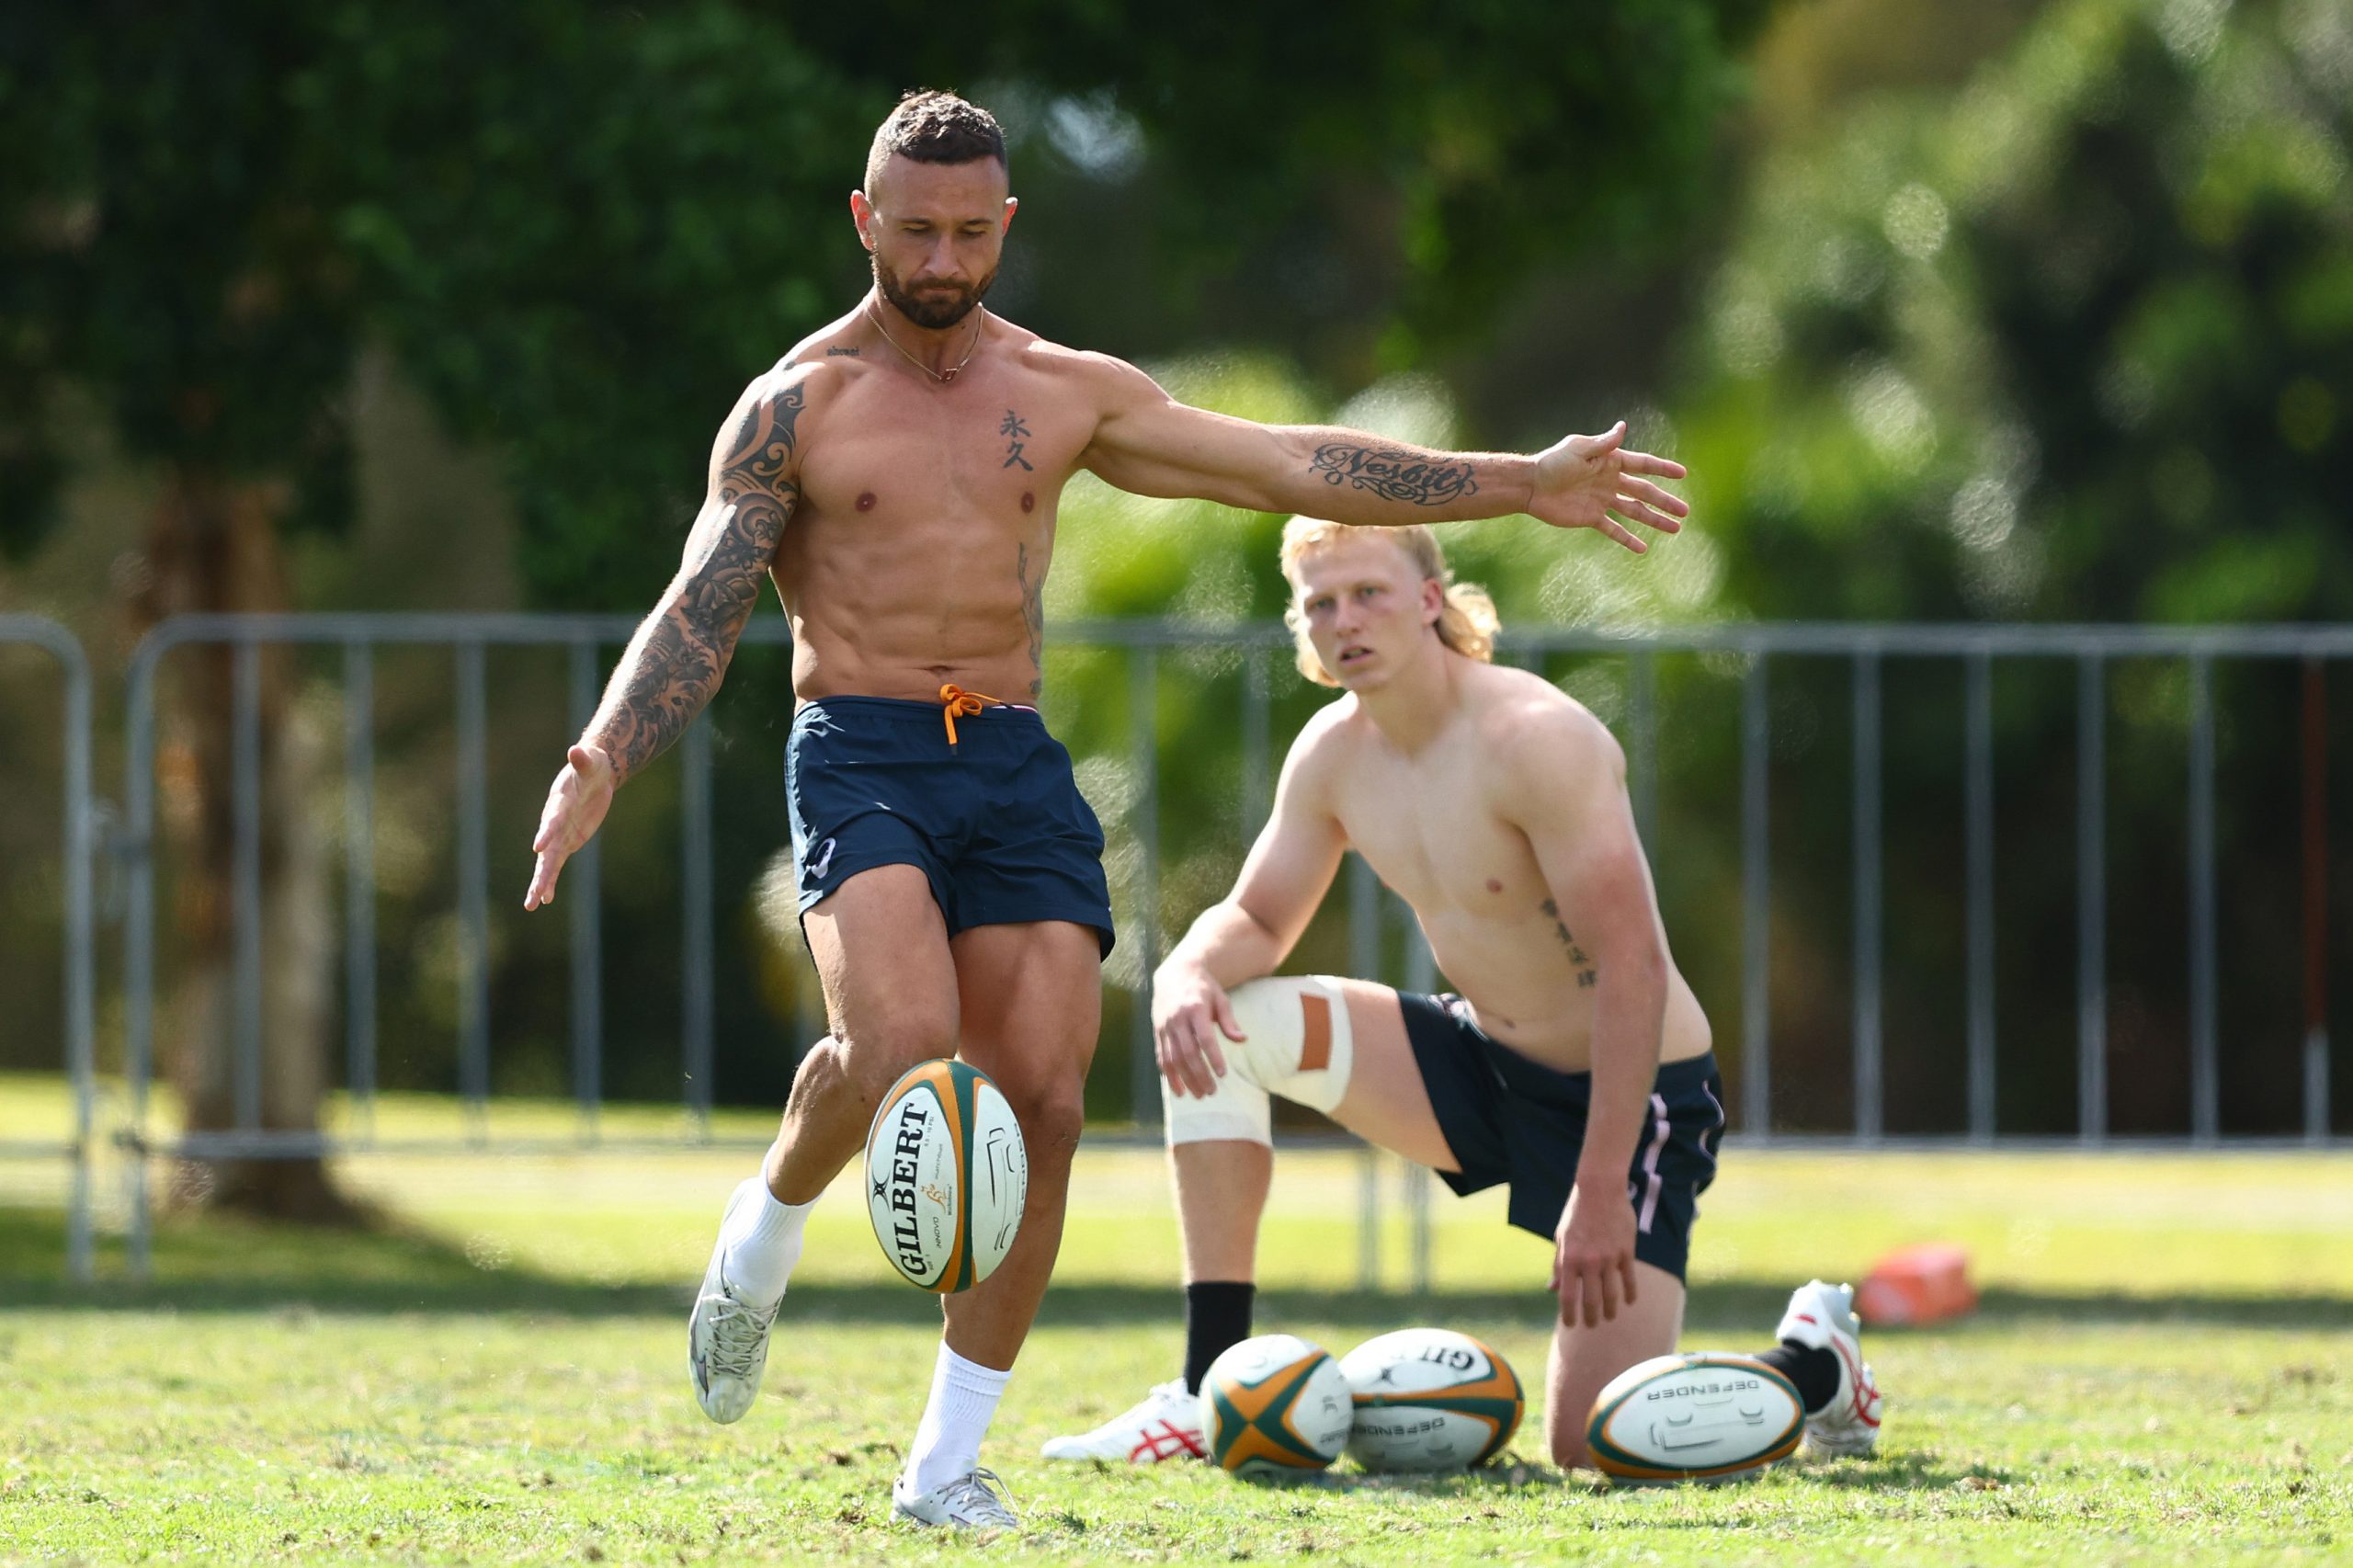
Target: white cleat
column 974, row 1501
column 727, row 1338
column 1823, row 1316
column 1167, row 1425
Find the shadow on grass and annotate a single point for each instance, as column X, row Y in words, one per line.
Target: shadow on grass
column 1917, row 1471
column 222, row 1264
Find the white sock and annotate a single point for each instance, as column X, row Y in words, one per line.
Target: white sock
column 763, row 1240
column 947, row 1441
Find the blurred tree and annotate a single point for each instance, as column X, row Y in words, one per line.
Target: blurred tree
column 2023, row 353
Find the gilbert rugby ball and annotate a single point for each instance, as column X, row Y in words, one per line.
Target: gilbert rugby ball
column 1703, row 1416
column 1275, row 1405
column 947, row 1174
column 1429, row 1398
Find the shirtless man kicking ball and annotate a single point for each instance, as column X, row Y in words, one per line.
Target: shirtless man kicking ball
column 1575, row 1063
column 896, row 477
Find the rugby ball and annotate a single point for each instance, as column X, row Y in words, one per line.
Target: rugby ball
column 1275, row 1405
column 1703, row 1416
column 947, row 1174
column 1429, row 1398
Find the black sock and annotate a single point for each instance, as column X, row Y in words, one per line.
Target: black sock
column 1217, row 1317
column 1815, row 1371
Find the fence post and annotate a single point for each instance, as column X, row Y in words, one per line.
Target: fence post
column 81, row 983
column 1143, row 705
column 2091, row 899
column 360, row 882
column 1979, row 810
column 1757, row 909
column 583, row 893
column 2316, row 728
column 1870, row 1120
column 1257, row 744
column 2205, row 1079
column 246, row 792
column 695, row 963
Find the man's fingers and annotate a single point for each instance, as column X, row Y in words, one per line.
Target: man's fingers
column 1614, row 529
column 1626, row 1268
column 543, row 875
column 1197, row 1068
column 1212, row 1052
column 1664, row 500
column 1590, row 1289
column 1608, row 1292
column 1226, row 1019
column 1643, row 462
column 1643, row 512
column 1610, row 438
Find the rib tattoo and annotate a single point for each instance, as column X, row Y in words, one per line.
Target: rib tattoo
column 1395, row 473
column 1033, row 610
column 675, row 661
column 1586, row 972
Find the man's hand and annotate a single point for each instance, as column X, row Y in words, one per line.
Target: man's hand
column 1593, row 1258
column 1188, row 1011
column 576, row 804
column 1582, row 479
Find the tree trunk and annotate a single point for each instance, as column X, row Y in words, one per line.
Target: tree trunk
column 214, row 547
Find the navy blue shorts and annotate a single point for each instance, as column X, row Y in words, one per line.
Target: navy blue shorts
column 1506, row 1118
column 994, row 822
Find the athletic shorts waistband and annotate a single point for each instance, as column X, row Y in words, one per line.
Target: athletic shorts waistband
column 1540, row 1081
column 913, row 709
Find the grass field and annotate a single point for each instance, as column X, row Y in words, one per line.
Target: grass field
column 2162, row 1371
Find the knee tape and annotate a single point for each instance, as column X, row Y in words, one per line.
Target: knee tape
column 1300, row 1047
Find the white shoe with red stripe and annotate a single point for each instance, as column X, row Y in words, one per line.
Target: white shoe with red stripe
column 1166, row 1426
column 1823, row 1316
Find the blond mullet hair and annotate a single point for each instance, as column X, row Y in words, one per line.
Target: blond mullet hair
column 1467, row 622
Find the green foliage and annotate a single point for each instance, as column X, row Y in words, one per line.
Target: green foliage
column 2073, row 344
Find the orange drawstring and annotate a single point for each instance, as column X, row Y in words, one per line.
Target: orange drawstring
column 955, row 700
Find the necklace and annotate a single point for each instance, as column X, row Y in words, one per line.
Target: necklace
column 941, row 376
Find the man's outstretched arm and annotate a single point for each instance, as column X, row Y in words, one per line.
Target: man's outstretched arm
column 1147, row 442
column 681, row 651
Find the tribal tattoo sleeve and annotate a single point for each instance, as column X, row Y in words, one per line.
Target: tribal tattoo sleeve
column 675, row 661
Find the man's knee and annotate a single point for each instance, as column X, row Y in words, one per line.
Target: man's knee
column 1298, row 1044
column 1052, row 1108
column 866, row 1062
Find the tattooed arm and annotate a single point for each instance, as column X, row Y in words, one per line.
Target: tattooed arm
column 681, row 651
column 1561, row 780
column 1147, row 442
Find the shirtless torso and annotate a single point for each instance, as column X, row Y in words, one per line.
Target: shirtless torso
column 1446, row 826
column 918, row 552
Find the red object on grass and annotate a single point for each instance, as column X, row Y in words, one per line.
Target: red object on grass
column 1924, row 1283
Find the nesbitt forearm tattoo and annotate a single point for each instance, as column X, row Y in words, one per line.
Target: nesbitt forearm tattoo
column 1586, row 971
column 1395, row 473
column 678, row 656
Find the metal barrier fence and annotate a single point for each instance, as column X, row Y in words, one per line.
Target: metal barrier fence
column 79, row 1056
column 1865, row 647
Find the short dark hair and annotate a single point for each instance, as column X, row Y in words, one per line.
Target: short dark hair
column 935, row 128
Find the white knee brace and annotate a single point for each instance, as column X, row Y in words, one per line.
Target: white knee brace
column 1299, row 1047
